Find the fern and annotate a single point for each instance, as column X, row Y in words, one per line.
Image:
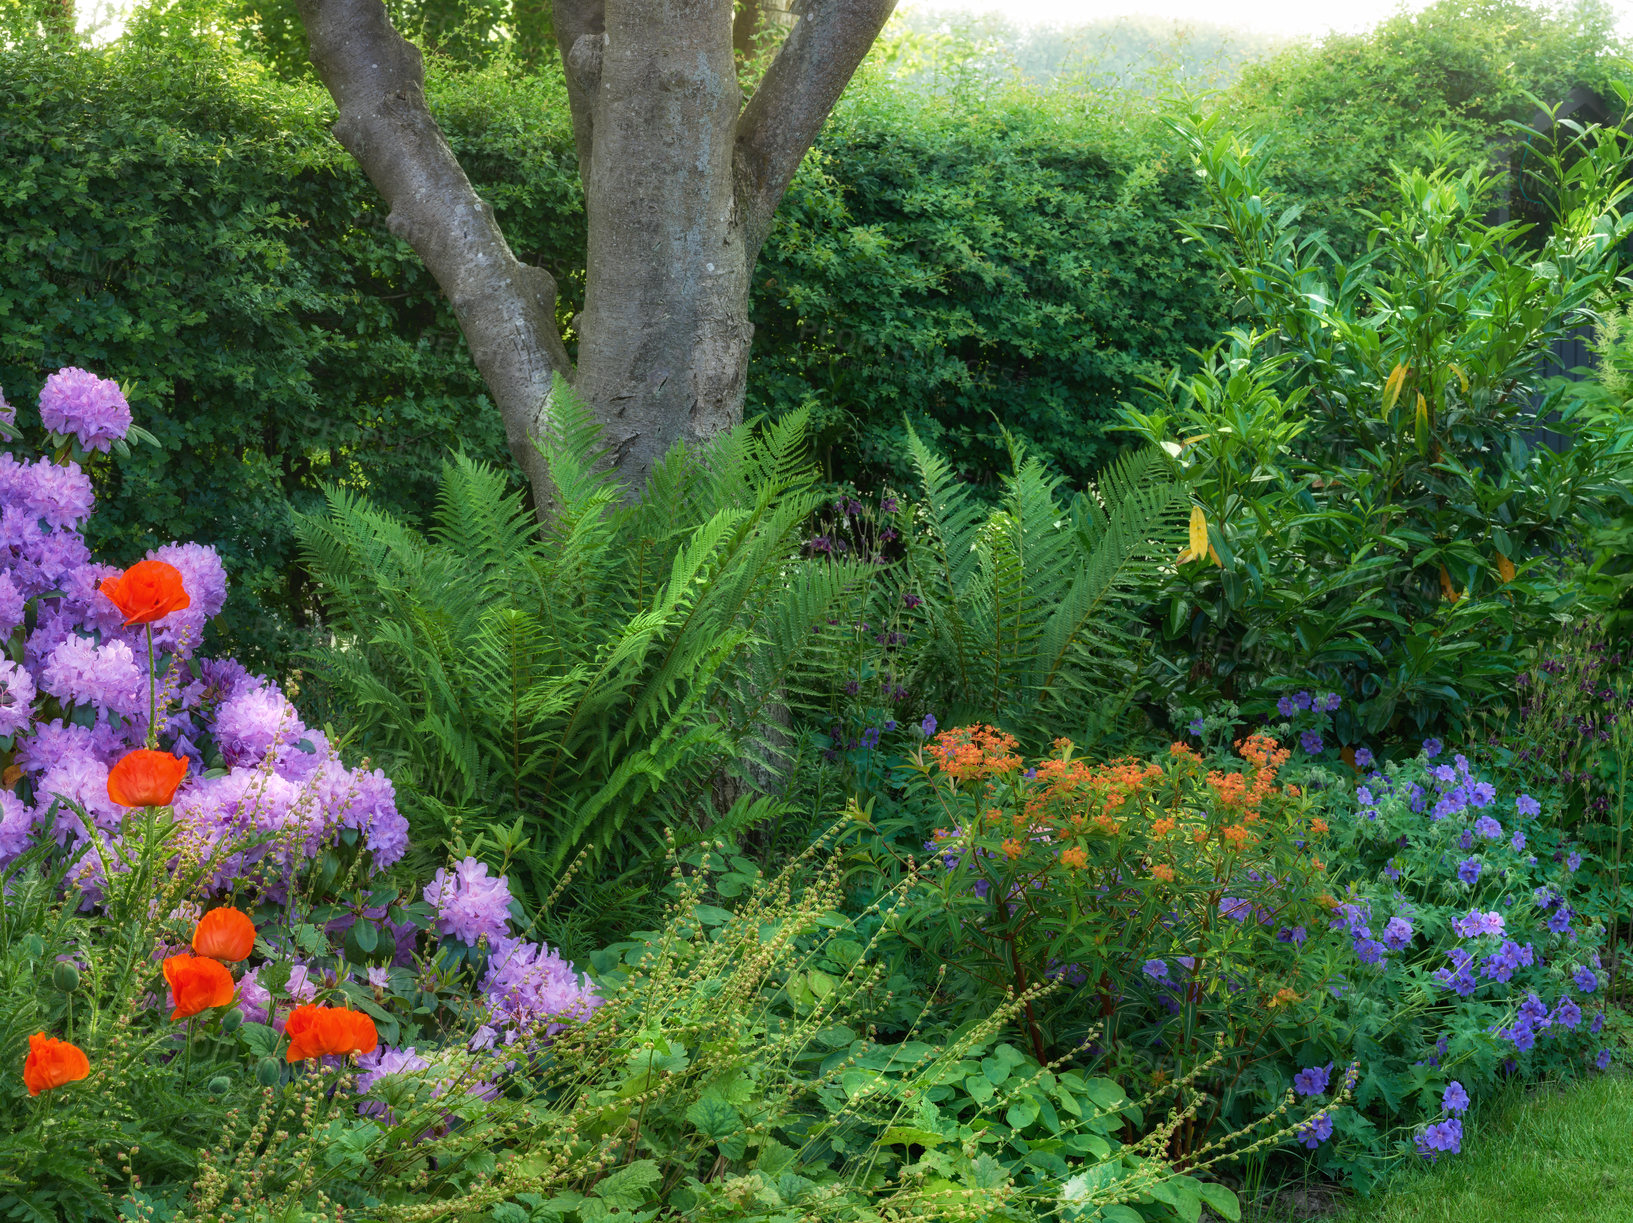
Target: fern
column 596, row 677
column 1031, row 604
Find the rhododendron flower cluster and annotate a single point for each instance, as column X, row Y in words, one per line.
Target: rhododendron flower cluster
column 74, row 694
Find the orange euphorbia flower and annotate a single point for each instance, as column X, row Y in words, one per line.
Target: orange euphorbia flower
column 1162, row 872
column 1318, row 826
column 51, row 1063
column 1014, row 847
column 147, row 591
column 224, row 934
column 145, row 778
column 1075, row 856
column 197, row 984
column 1162, row 827
column 966, row 752
column 328, row 1031
column 1236, row 835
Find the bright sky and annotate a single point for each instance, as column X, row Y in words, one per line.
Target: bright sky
column 1291, row 17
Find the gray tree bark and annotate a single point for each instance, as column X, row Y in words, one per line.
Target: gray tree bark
column 680, row 184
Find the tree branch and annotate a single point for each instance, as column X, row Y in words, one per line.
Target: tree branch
column 782, row 120
column 580, row 32
column 506, row 309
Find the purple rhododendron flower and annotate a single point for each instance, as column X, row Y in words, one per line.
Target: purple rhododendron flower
column 470, row 903
column 74, row 401
column 528, row 985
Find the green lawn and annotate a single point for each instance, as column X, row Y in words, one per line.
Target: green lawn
column 1558, row 1156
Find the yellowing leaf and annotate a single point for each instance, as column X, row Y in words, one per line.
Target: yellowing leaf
column 1199, row 530
column 1505, row 567
column 1392, row 386
column 1462, row 378
column 1447, row 591
column 1213, row 555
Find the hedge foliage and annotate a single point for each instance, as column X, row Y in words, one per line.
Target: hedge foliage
column 974, row 258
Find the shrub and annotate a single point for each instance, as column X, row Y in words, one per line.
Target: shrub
column 1141, row 910
column 1376, row 519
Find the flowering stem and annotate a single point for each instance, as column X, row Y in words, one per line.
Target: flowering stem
column 187, row 1062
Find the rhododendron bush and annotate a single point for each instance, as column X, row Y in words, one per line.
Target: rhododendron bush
column 147, row 787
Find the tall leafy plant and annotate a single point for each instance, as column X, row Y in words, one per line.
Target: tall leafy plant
column 1379, row 513
column 578, row 686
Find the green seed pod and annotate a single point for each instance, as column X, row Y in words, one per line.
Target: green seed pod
column 268, row 1072
column 65, row 977
column 220, row 1085
column 231, row 1020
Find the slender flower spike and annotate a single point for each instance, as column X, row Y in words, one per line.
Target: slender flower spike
column 224, row 934
column 197, row 984
column 52, row 1063
column 147, row 591
column 146, row 778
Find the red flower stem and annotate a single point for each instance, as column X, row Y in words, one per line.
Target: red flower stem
column 152, row 694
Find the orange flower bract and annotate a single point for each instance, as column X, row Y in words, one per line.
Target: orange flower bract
column 197, row 984
column 224, row 934
column 328, row 1031
column 147, row 591
column 145, row 778
column 51, row 1063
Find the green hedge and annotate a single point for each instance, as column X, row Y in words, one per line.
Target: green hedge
column 984, row 258
column 191, row 226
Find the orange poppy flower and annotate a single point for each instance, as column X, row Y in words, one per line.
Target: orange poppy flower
column 51, row 1063
column 197, row 984
column 147, row 591
column 328, row 1031
column 145, row 778
column 224, row 934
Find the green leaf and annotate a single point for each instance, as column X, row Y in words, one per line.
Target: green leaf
column 1220, row 1200
column 628, row 1187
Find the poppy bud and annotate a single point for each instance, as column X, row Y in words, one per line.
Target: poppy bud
column 231, row 1020
column 219, row 1086
column 65, row 977
column 268, row 1073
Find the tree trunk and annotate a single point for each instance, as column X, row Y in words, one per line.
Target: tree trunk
column 680, row 183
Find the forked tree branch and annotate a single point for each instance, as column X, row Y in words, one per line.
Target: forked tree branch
column 506, row 309
column 781, row 121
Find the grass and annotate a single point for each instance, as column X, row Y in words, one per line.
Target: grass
column 1549, row 1156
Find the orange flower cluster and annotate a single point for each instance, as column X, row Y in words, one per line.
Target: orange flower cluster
column 968, row 752
column 328, row 1031
column 52, row 1063
column 1074, row 856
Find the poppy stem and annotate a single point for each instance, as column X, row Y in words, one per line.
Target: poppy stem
column 187, row 1062
column 152, row 695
